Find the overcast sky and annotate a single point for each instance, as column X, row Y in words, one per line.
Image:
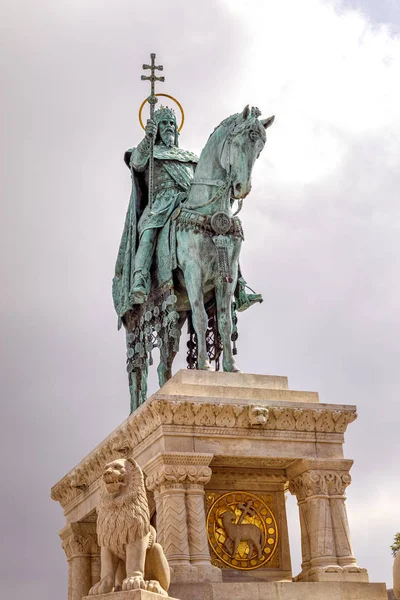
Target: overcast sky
column 322, row 227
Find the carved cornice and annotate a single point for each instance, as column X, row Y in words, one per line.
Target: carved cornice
column 219, row 417
column 287, row 418
column 79, row 539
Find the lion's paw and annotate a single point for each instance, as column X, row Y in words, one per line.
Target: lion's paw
column 154, row 586
column 134, row 583
column 104, row 586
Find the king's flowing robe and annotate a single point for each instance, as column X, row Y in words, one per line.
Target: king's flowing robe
column 171, row 189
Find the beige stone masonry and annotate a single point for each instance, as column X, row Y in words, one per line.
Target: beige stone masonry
column 319, row 486
column 221, row 379
column 223, row 425
column 129, row 595
column 280, row 591
column 206, row 434
column 79, row 541
column 178, row 480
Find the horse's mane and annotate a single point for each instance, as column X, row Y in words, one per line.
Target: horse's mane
column 236, row 124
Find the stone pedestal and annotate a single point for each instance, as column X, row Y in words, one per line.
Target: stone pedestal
column 219, row 452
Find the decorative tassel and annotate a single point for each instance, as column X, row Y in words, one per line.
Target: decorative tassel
column 222, row 243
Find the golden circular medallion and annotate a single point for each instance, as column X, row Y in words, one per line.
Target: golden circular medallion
column 242, row 531
column 164, row 96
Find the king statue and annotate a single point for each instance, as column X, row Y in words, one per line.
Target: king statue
column 178, row 258
column 173, row 173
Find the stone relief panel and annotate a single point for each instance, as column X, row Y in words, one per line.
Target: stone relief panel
column 242, row 530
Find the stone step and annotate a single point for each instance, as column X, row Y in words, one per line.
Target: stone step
column 219, row 378
column 279, row 590
column 184, row 391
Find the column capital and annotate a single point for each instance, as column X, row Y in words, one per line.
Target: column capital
column 79, row 539
column 177, row 470
column 319, row 477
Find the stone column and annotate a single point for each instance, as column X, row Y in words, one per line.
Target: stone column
column 344, row 551
column 198, row 476
column 79, row 542
column 304, row 529
column 95, row 568
column 178, row 480
column 326, row 547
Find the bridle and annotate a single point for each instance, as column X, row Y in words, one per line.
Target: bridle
column 222, row 185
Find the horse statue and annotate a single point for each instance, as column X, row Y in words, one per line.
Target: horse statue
column 205, row 237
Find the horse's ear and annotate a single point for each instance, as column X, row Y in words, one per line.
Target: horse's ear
column 246, row 112
column 267, row 122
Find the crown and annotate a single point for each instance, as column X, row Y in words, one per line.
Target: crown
column 164, row 112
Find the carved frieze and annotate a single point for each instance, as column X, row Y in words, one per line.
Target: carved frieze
column 204, row 418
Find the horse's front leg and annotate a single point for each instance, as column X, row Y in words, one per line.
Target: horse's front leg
column 224, row 296
column 194, row 285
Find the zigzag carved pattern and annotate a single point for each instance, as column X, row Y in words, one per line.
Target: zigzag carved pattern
column 175, row 527
column 197, row 526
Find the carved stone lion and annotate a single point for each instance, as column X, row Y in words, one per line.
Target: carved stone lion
column 258, row 415
column 130, row 557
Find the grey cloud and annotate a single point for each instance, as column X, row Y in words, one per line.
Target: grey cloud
column 325, row 256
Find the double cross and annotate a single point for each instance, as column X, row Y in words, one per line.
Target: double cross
column 247, row 510
column 152, row 100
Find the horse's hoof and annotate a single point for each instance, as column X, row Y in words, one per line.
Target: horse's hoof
column 204, row 365
column 231, row 368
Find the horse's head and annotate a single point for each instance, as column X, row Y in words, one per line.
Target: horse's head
column 245, row 140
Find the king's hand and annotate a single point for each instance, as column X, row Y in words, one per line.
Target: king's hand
column 151, row 129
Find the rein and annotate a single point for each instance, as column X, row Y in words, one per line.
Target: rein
column 217, row 196
column 223, row 186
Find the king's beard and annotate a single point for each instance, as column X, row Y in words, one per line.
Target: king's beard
column 168, row 139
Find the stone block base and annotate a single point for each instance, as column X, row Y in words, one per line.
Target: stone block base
column 340, row 577
column 332, row 590
column 129, row 595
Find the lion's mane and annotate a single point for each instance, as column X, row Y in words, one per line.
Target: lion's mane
column 124, row 517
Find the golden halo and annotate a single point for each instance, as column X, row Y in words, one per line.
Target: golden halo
column 165, row 96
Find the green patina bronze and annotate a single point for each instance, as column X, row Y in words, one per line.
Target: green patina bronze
column 179, row 254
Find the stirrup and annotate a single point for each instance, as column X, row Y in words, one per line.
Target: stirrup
column 244, row 304
column 244, row 300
